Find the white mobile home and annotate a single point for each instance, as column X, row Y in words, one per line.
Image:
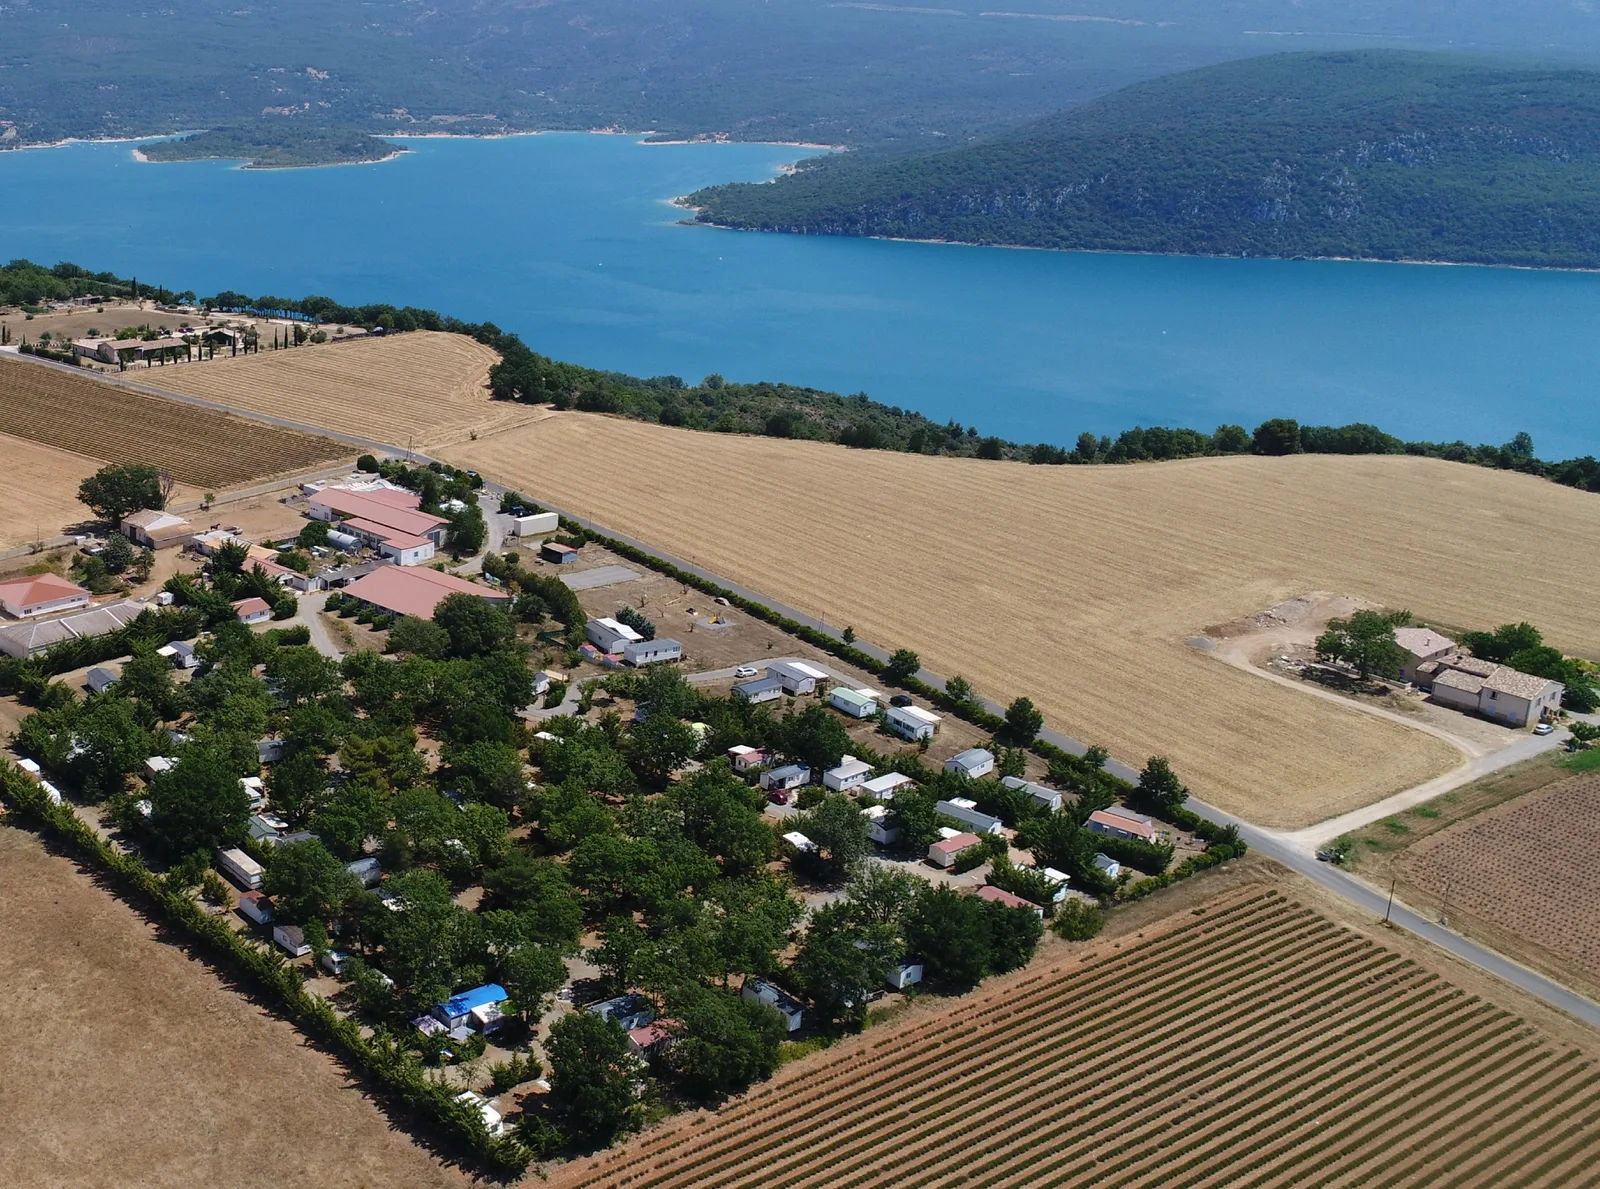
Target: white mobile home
column 974, row 762
column 883, row 788
column 902, row 974
column 257, row 907
column 966, row 812
column 878, row 827
column 853, row 702
column 539, row 522
column 850, row 773
column 651, row 652
column 291, row 940
column 912, row 723
column 759, row 990
column 1049, row 798
column 790, row 776
column 797, row 677
column 241, row 868
column 608, row 635
column 762, row 689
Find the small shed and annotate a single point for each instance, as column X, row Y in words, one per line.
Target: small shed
column 629, row 1011
column 99, row 680
column 1107, row 866
column 883, row 788
column 996, row 895
column 241, row 868
column 367, row 871
column 902, row 974
column 800, row 842
column 456, row 1011
column 181, row 653
column 878, row 827
column 562, row 555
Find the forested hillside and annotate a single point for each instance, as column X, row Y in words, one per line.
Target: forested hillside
column 1379, row 154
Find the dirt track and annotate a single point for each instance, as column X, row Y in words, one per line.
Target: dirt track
column 128, row 1064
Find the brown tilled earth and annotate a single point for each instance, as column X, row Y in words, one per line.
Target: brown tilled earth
column 1079, row 586
column 1249, row 1040
column 128, row 1064
column 1528, row 866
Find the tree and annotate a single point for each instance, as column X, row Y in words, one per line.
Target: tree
column 468, row 529
column 367, row 464
column 1077, row 921
column 903, row 665
column 951, row 934
column 959, row 690
column 1159, row 790
column 1504, row 642
column 1023, row 722
column 416, row 636
column 912, row 812
column 840, row 831
column 118, row 553
column 296, row 783
column 880, row 895
column 592, row 1076
column 486, row 771
column 474, row 625
column 307, row 883
column 114, row 492
column 422, row 942
column 111, row 744
column 1014, row 934
column 1280, row 435
column 1231, row 439
column 198, row 804
column 814, row 737
column 313, row 534
column 147, row 679
column 660, row 744
column 530, row 975
column 1365, row 642
column 720, row 1042
column 841, row 961
column 302, row 673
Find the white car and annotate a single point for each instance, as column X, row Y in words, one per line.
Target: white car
column 1543, row 728
column 745, row 671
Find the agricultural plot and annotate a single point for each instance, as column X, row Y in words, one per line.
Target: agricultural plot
column 1257, row 1045
column 1527, row 867
column 39, row 508
column 1079, row 586
column 428, row 385
column 200, row 447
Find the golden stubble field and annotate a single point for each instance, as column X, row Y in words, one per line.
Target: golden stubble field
column 46, row 500
column 129, row 1064
column 1079, row 586
column 429, row 385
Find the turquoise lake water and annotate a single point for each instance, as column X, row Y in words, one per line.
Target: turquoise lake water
column 567, row 240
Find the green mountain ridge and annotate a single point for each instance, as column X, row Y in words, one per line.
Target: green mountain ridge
column 1381, row 154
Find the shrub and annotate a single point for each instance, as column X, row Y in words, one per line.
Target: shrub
column 1077, row 921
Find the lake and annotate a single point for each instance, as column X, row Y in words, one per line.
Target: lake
column 568, row 240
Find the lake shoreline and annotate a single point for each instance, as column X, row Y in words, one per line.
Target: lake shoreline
column 682, row 203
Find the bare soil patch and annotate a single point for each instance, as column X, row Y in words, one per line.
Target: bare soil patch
column 100, row 419
column 1247, row 1032
column 45, row 502
column 1078, row 586
column 428, row 386
column 128, row 1063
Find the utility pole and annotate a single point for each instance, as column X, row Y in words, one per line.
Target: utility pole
column 1392, row 880
column 1444, row 915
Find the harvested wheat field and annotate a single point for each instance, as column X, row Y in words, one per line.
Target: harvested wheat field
column 127, row 1063
column 429, row 384
column 201, row 447
column 1078, row 586
column 46, row 499
column 1528, row 867
column 1257, row 1044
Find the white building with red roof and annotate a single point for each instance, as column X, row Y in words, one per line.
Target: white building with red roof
column 387, row 519
column 40, row 594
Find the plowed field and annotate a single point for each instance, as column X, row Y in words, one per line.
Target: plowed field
column 1259, row 1045
column 430, row 386
column 200, row 447
column 1528, row 866
column 1078, row 586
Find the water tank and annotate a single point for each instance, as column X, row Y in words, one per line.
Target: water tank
column 348, row 542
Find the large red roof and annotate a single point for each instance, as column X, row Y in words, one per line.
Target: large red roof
column 41, row 588
column 407, row 590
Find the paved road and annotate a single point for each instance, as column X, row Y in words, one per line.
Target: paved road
column 1268, row 844
column 306, row 612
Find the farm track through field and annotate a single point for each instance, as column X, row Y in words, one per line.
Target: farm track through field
column 1260, row 1046
column 199, row 447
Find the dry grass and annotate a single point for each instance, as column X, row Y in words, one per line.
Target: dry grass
column 1079, row 586
column 201, row 447
column 127, row 1063
column 41, row 507
column 429, row 384
column 1252, row 1042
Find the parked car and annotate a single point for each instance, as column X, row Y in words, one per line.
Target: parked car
column 1543, row 728
column 745, row 671
column 778, row 796
column 900, row 700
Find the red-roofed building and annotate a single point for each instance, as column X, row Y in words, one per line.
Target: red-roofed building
column 1124, row 823
column 387, row 520
column 253, row 610
column 651, row 1038
column 415, row 591
column 41, row 594
column 1000, row 896
column 946, row 851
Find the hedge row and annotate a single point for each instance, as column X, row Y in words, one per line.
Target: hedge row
column 155, row 627
column 380, row 1059
column 1213, row 856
